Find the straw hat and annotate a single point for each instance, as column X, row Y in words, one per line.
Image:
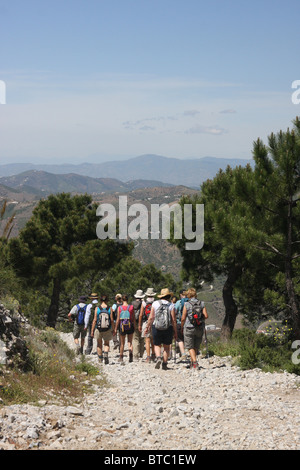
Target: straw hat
column 93, row 296
column 150, row 292
column 139, row 294
column 164, row 293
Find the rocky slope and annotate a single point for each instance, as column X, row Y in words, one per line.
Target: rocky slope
column 216, row 407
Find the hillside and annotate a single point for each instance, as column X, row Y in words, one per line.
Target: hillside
column 158, row 252
column 42, row 183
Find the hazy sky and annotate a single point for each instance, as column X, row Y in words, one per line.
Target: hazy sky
column 121, row 78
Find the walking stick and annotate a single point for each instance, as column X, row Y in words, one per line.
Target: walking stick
column 206, row 342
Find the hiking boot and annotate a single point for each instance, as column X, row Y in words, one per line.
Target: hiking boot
column 148, row 359
column 106, row 361
column 100, row 358
column 121, row 361
column 164, row 366
column 194, row 366
column 130, row 357
column 158, row 363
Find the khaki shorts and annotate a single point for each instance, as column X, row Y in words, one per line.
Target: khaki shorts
column 105, row 335
column 79, row 331
column 193, row 337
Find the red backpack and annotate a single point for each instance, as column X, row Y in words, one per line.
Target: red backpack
column 147, row 311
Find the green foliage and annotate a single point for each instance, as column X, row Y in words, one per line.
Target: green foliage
column 59, row 243
column 251, row 350
column 129, row 275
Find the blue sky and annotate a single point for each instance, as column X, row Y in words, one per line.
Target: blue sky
column 91, row 80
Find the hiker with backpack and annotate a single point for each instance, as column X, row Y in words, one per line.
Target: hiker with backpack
column 118, row 303
column 163, row 321
column 126, row 325
column 103, row 328
column 138, row 342
column 77, row 314
column 178, row 310
column 143, row 320
column 89, row 321
column 193, row 324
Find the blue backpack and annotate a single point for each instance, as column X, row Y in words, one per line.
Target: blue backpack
column 180, row 309
column 81, row 314
column 125, row 322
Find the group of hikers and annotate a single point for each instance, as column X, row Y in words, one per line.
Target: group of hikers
column 147, row 323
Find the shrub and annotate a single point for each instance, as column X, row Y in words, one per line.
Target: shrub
column 269, row 352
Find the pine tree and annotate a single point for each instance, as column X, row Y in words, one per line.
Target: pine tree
column 60, row 242
column 276, row 194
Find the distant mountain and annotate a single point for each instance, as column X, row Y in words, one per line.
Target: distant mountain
column 41, row 183
column 189, row 172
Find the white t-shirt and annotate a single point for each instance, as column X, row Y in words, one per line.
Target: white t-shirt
column 89, row 311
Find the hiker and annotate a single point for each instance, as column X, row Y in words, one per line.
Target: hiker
column 126, row 325
column 77, row 314
column 118, row 302
column 89, row 320
column 163, row 321
column 178, row 310
column 143, row 320
column 193, row 319
column 104, row 325
column 138, row 342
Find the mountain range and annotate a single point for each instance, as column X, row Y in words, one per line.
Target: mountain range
column 172, row 171
column 41, row 183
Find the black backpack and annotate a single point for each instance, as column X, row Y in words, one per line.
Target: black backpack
column 196, row 316
column 137, row 308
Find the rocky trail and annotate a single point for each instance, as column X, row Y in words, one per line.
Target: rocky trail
column 218, row 407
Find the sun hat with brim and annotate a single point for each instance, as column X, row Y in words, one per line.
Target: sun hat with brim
column 93, row 296
column 164, row 293
column 139, row 294
column 150, row 292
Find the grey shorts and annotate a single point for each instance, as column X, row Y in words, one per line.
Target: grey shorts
column 193, row 337
column 146, row 335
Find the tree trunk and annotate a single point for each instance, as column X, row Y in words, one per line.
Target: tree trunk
column 292, row 298
column 53, row 309
column 231, row 310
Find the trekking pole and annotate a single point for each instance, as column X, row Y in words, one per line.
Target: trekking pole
column 206, row 342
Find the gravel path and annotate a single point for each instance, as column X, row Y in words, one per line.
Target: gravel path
column 218, row 407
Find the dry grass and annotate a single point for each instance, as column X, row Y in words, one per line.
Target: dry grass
column 52, row 374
